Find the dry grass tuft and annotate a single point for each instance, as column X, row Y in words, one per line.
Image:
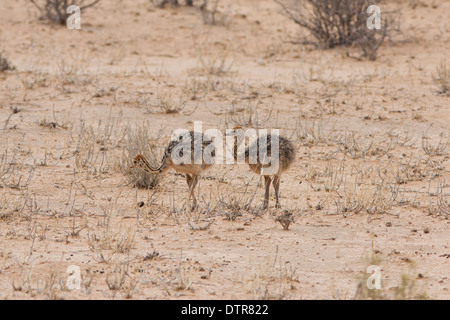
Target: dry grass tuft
column 56, row 10
column 139, row 141
column 442, row 78
column 5, row 65
column 285, row 219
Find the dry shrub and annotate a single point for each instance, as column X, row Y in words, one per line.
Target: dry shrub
column 372, row 199
column 440, row 205
column 163, row 3
column 214, row 63
column 211, row 15
column 285, row 219
column 334, row 23
column 208, row 9
column 435, row 149
column 5, row 65
column 441, row 78
column 138, row 141
column 169, row 105
column 56, row 10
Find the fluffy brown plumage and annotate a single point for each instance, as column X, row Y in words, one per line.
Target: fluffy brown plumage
column 174, row 154
column 286, row 156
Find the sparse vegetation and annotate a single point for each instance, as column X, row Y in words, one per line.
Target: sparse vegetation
column 163, row 3
column 168, row 105
column 371, row 168
column 442, row 78
column 285, row 219
column 339, row 23
column 438, row 149
column 211, row 15
column 5, row 65
column 56, row 10
column 407, row 288
column 139, row 141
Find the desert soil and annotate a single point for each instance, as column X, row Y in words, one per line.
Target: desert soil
column 369, row 185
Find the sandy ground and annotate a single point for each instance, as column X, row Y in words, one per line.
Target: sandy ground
column 369, row 186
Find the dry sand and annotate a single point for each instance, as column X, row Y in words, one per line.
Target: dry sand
column 79, row 209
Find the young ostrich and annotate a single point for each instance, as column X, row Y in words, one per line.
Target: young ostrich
column 175, row 149
column 286, row 156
